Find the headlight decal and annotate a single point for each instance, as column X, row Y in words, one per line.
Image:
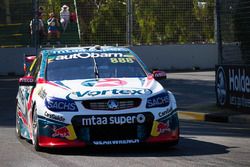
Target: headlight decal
column 60, row 105
column 160, row 100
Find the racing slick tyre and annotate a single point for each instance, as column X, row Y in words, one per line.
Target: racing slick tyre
column 18, row 129
column 35, row 131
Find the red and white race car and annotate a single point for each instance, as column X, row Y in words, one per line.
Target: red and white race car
column 73, row 97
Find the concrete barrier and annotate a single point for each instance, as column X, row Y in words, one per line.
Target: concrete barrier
column 167, row 57
column 178, row 57
column 11, row 60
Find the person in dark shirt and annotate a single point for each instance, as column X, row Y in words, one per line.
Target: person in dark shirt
column 37, row 29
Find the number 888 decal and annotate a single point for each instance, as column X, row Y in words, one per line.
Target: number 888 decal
column 122, row 60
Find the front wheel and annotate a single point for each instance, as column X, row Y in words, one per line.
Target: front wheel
column 35, row 127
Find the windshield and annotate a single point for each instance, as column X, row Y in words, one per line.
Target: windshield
column 79, row 66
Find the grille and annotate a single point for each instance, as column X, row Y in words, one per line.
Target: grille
column 103, row 104
column 95, row 132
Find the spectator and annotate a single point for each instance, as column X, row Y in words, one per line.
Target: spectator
column 37, row 29
column 64, row 17
column 40, row 11
column 73, row 17
column 53, row 28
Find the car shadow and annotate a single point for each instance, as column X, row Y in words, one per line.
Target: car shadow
column 186, row 147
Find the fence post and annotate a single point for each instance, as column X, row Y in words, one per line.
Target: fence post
column 35, row 25
column 77, row 21
column 218, row 30
column 129, row 23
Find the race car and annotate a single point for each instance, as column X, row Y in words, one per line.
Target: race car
column 101, row 95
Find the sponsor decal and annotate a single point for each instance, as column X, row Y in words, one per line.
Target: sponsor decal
column 104, row 82
column 221, row 86
column 113, row 120
column 82, row 50
column 27, row 79
column 233, row 86
column 164, row 113
column 163, row 127
column 79, row 94
column 61, row 132
column 64, row 132
column 160, row 128
column 111, row 142
column 121, row 60
column 42, row 93
column 54, row 116
column 161, row 100
column 57, row 104
column 239, row 81
column 89, row 55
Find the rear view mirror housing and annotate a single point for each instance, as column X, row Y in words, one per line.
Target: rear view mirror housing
column 159, row 75
column 28, row 60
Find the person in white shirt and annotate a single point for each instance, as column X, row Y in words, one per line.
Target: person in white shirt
column 64, row 17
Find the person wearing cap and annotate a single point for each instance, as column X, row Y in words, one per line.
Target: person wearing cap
column 64, row 17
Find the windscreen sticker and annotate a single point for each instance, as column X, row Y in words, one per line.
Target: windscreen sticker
column 121, row 60
column 90, row 55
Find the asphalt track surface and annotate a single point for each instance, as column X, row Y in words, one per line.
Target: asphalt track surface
column 201, row 143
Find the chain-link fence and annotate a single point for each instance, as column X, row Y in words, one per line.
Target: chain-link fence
column 109, row 22
column 235, row 31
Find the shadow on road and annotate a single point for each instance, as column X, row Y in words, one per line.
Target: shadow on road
column 186, row 147
column 8, row 92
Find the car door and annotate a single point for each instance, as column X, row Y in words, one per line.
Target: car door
column 26, row 92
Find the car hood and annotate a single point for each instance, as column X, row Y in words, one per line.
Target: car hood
column 103, row 88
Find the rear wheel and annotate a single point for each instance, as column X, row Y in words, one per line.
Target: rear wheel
column 35, row 127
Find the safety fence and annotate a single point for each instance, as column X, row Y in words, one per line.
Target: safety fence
column 108, row 22
column 234, row 31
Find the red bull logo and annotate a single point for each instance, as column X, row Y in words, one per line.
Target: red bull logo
column 163, row 127
column 62, row 132
column 160, row 128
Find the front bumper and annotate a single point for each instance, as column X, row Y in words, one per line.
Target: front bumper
column 78, row 134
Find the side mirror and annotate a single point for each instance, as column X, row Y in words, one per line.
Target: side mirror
column 159, row 75
column 27, row 81
column 28, row 59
